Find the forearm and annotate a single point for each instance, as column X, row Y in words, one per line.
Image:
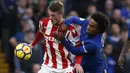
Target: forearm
column 72, row 49
column 125, row 48
column 39, row 36
column 87, row 48
column 126, row 43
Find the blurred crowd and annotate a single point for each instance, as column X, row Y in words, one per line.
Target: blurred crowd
column 19, row 21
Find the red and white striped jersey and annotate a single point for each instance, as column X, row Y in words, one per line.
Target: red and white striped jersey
column 56, row 55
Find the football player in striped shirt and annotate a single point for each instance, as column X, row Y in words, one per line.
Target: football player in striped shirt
column 56, row 56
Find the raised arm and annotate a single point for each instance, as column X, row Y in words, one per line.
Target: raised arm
column 74, row 20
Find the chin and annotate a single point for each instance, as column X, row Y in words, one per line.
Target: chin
column 54, row 23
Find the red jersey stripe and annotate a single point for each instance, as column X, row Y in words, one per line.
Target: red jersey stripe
column 53, row 55
column 64, row 61
column 45, row 53
column 68, row 57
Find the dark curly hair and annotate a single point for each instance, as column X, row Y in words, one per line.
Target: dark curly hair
column 102, row 21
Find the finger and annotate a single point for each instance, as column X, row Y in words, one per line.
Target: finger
column 121, row 66
column 77, row 71
column 81, row 70
column 74, row 70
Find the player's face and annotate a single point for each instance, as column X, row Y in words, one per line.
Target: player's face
column 54, row 16
column 92, row 27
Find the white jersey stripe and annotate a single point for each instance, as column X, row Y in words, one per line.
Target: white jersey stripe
column 66, row 55
column 48, row 28
column 58, row 55
column 40, row 27
column 45, row 56
column 49, row 54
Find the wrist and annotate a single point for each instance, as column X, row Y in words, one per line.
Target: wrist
column 122, row 54
column 30, row 45
column 77, row 64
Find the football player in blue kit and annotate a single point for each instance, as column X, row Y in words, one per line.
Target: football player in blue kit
column 94, row 60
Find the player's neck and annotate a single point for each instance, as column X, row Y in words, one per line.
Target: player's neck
column 60, row 22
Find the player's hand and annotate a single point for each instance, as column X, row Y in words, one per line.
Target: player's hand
column 60, row 34
column 120, row 61
column 78, row 68
column 63, row 27
column 30, row 45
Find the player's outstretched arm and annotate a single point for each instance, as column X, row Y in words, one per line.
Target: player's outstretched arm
column 79, row 50
column 39, row 36
column 74, row 20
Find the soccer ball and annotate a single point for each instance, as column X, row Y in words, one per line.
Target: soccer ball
column 23, row 51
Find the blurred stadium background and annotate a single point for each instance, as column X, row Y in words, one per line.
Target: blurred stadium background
column 19, row 23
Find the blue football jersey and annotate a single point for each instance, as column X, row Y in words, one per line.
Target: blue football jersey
column 94, row 60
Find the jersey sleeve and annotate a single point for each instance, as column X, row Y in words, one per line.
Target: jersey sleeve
column 40, row 27
column 84, row 49
column 39, row 34
column 74, row 20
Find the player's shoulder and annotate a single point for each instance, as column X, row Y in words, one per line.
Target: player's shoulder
column 45, row 19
